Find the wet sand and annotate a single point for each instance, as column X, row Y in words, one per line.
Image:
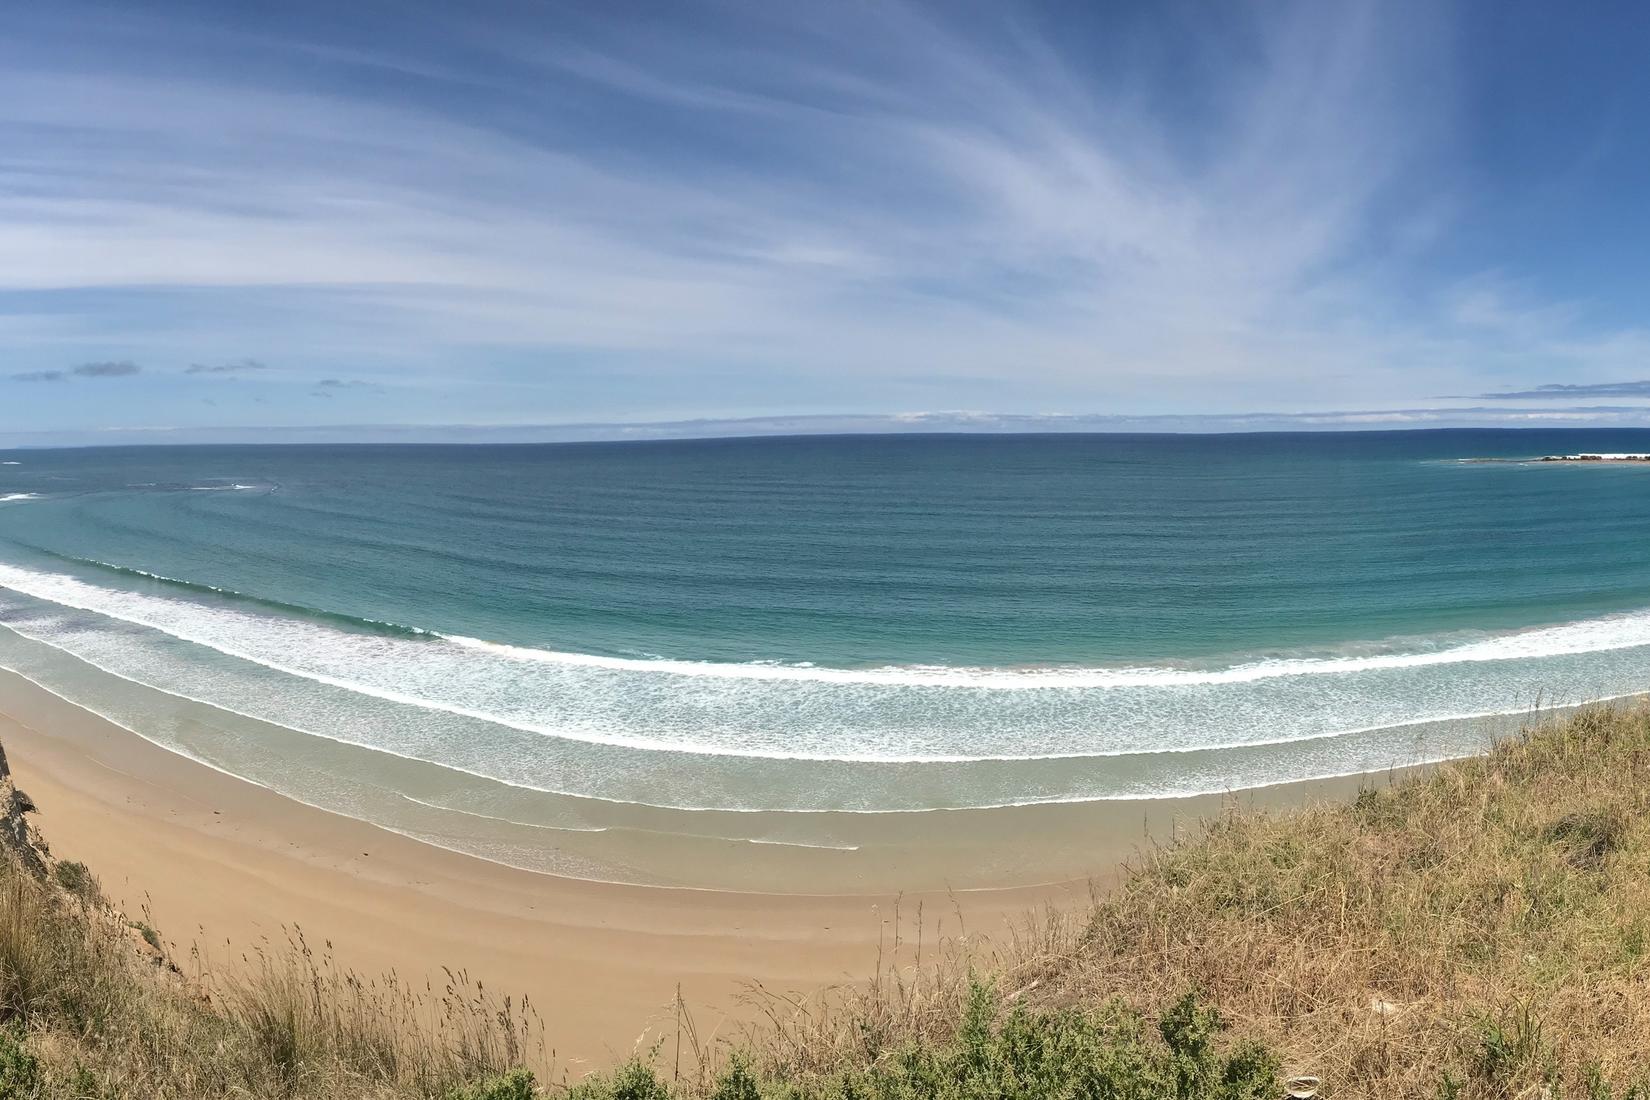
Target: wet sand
column 222, row 865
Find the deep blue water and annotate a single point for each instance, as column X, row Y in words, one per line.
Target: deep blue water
column 885, row 622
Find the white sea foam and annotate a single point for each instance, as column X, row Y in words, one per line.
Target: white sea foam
column 501, row 820
column 1239, row 779
column 8, row 497
column 698, row 783
column 884, row 716
column 1624, row 631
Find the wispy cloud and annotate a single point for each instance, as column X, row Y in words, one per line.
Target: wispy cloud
column 723, row 209
column 114, row 368
column 110, row 368
column 238, row 366
column 1565, row 390
column 331, row 387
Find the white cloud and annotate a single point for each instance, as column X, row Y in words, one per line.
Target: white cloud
column 896, row 197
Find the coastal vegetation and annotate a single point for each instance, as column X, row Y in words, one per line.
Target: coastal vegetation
column 1480, row 930
column 1597, row 458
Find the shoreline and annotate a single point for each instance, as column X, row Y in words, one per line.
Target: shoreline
column 1042, row 838
column 219, row 864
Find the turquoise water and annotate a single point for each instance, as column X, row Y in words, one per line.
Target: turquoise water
column 813, row 625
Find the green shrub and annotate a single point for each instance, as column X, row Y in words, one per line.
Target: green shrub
column 634, row 1080
column 19, row 1069
column 76, row 879
column 736, row 1083
column 1020, row 1055
column 515, row 1085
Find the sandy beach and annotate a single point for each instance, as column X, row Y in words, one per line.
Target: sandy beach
column 222, row 865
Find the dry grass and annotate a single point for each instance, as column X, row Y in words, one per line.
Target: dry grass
column 89, row 1007
column 303, row 1012
column 1479, row 931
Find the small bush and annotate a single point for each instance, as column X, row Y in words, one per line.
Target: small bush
column 20, row 1077
column 76, row 879
column 515, row 1085
column 635, row 1080
column 736, row 1083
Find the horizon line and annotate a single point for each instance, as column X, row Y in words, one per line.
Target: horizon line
column 1600, row 417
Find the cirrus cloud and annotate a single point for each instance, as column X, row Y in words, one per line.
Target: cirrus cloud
column 722, row 210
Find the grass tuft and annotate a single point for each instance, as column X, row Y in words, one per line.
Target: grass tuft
column 77, row 880
column 1590, row 836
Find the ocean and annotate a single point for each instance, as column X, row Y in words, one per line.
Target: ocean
column 625, row 660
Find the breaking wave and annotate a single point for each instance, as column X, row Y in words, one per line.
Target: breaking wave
column 885, row 715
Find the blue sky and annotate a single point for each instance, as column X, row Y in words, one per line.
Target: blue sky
column 217, row 216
